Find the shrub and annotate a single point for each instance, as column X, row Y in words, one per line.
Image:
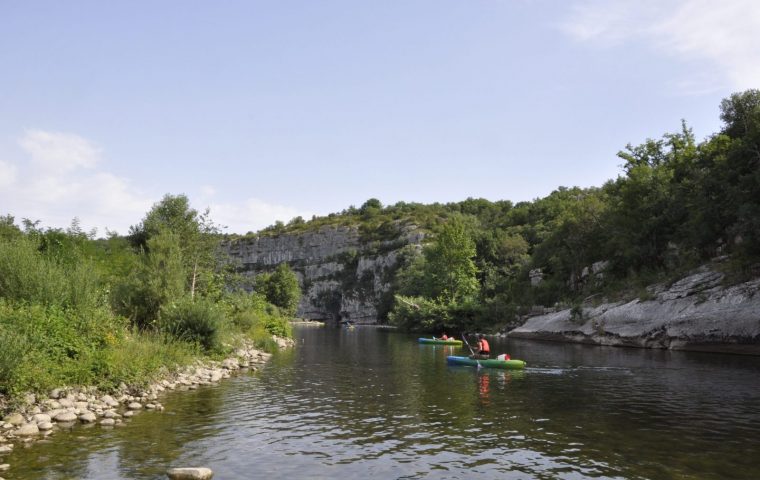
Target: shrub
column 13, row 349
column 193, row 321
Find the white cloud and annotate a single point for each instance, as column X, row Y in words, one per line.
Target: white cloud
column 61, row 177
column 58, row 180
column 253, row 215
column 61, row 152
column 722, row 38
column 8, row 174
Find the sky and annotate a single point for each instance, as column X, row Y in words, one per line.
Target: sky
column 262, row 111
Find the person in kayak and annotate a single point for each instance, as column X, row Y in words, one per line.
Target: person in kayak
column 444, row 336
column 483, row 347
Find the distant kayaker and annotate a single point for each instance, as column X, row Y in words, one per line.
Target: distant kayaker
column 444, row 336
column 483, row 347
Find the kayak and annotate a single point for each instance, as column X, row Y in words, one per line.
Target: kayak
column 438, row 341
column 492, row 362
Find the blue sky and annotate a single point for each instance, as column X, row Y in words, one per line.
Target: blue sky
column 266, row 110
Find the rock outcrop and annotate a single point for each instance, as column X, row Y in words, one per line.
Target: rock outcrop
column 344, row 275
column 695, row 313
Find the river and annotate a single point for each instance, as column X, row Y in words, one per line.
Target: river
column 372, row 403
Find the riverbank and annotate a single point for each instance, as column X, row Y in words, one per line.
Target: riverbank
column 63, row 408
column 696, row 313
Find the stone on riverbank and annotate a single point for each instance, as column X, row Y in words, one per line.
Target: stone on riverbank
column 45, row 426
column 134, row 406
column 41, row 417
column 87, row 417
column 65, row 417
column 6, row 449
column 14, row 419
column 27, row 429
column 189, row 473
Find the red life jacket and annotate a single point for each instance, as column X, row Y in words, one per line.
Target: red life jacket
column 484, row 347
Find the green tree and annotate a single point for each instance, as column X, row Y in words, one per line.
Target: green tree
column 449, row 266
column 158, row 281
column 198, row 236
column 280, row 288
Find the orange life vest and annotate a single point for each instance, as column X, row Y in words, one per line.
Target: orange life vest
column 484, row 347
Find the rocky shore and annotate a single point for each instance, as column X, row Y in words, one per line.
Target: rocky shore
column 63, row 408
column 696, row 313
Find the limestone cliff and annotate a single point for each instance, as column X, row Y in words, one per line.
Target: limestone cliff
column 344, row 275
column 695, row 313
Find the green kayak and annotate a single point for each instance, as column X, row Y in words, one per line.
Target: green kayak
column 438, row 341
column 492, row 362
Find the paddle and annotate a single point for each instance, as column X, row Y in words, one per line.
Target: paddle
column 473, row 353
column 466, row 343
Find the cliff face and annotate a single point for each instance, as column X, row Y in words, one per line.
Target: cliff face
column 695, row 313
column 344, row 276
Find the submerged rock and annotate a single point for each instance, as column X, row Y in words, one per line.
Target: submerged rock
column 201, row 473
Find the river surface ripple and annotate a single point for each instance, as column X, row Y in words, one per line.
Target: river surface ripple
column 374, row 403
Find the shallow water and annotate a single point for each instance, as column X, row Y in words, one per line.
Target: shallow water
column 374, row 403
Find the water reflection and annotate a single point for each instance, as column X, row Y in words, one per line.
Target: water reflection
column 371, row 403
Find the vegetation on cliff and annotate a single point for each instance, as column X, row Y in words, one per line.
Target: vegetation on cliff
column 677, row 203
column 80, row 311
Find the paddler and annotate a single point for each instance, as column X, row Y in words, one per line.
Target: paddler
column 483, row 347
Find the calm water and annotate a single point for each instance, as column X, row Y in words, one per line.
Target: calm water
column 373, row 403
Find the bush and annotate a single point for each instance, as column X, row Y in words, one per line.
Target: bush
column 193, row 321
column 13, row 349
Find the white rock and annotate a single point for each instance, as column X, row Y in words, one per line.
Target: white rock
column 129, row 413
column 134, row 406
column 27, row 429
column 108, row 422
column 6, row 449
column 14, row 419
column 42, row 417
column 189, row 473
column 110, row 414
column 65, row 417
column 56, row 393
column 87, row 417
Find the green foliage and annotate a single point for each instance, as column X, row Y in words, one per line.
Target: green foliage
column 280, row 288
column 447, row 270
column 158, row 281
column 420, row 314
column 196, row 321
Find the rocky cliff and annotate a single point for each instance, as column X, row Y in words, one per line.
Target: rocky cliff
column 695, row 313
column 344, row 274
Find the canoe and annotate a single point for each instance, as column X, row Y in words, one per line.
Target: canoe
column 438, row 341
column 492, row 363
